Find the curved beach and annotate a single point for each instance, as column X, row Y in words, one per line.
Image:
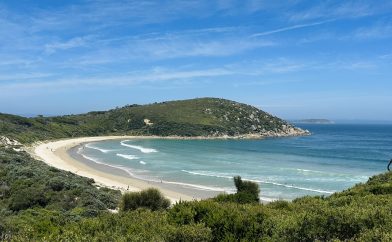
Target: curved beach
column 58, row 154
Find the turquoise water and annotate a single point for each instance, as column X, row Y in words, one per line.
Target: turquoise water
column 332, row 159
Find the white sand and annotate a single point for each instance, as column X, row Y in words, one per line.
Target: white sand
column 55, row 154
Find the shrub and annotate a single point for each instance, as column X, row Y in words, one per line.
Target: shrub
column 151, row 198
column 27, row 198
column 247, row 192
column 130, row 201
column 56, row 184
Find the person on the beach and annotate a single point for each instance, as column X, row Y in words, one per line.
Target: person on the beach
column 128, row 188
column 389, row 164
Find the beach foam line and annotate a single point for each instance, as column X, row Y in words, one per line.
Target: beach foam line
column 103, row 163
column 140, row 148
column 142, row 162
column 128, row 157
column 260, row 181
column 129, row 171
column 304, row 171
column 90, row 146
column 199, row 187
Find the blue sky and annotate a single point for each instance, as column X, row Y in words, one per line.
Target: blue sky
column 295, row 59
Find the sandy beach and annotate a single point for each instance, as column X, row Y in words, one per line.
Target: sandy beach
column 57, row 154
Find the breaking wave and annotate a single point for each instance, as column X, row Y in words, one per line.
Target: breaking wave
column 90, row 146
column 129, row 157
column 260, row 181
column 140, row 148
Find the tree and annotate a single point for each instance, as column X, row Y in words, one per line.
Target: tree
column 247, row 192
column 246, row 189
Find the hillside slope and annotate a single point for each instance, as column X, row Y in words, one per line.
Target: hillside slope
column 196, row 117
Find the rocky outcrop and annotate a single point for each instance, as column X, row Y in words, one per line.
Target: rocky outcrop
column 249, row 122
column 10, row 143
column 7, row 142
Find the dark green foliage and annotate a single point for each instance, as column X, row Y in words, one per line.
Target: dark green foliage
column 151, row 198
column 56, row 184
column 30, row 185
column 196, row 117
column 139, row 225
column 27, row 198
column 247, row 192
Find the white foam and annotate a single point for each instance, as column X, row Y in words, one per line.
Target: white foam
column 142, row 162
column 129, row 157
column 96, row 148
column 205, row 174
column 102, row 163
column 314, row 171
column 91, row 159
column 260, row 181
column 268, row 199
column 198, row 187
column 127, row 170
column 140, row 148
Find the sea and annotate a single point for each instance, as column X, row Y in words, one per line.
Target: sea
column 332, row 159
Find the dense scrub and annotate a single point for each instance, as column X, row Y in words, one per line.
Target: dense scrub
column 151, row 198
column 41, row 203
column 36, row 197
column 196, row 117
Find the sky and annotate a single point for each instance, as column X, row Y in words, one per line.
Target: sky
column 295, row 59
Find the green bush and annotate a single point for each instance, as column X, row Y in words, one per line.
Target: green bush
column 56, row 184
column 247, row 192
column 151, row 198
column 27, row 198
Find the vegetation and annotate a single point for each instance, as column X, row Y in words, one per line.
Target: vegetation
column 247, row 192
column 38, row 202
column 32, row 194
column 196, row 117
column 151, row 198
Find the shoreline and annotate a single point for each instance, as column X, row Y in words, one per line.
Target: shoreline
column 62, row 155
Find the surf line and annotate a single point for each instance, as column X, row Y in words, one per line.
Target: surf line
column 140, row 148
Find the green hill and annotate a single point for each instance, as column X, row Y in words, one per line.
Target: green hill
column 196, row 117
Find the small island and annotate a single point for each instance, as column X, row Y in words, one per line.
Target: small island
column 314, row 121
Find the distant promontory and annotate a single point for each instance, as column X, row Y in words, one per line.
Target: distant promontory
column 313, row 121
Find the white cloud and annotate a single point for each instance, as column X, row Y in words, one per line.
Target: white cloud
column 289, row 28
column 23, row 76
column 341, row 10
column 69, row 44
column 154, row 75
column 380, row 30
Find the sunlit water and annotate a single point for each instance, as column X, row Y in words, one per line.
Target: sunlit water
column 334, row 158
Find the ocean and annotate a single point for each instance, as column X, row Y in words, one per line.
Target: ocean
column 333, row 158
